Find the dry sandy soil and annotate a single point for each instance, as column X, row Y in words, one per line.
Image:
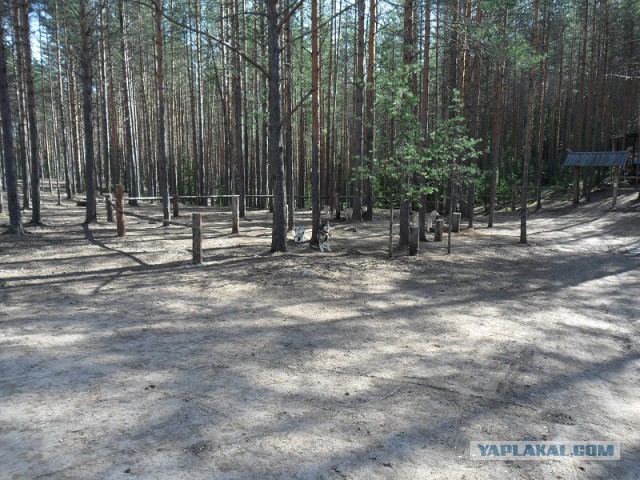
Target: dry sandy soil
column 119, row 359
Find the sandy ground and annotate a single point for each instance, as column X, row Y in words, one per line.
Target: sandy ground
column 119, row 359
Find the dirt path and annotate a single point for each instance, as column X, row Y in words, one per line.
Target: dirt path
column 119, row 359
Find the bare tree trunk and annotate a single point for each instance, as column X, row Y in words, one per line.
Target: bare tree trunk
column 202, row 188
column 266, row 186
column 315, row 123
column 32, row 116
column 10, row 165
column 498, row 125
column 543, row 110
column 237, row 113
column 529, row 130
column 130, row 154
column 104, row 102
column 302, row 150
column 358, row 114
column 76, row 149
column 162, row 155
column 288, row 127
column 369, row 127
column 408, row 52
column 61, row 111
column 23, row 159
column 85, row 68
column 424, row 109
column 276, row 160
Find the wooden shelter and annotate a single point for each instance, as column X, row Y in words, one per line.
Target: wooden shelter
column 613, row 160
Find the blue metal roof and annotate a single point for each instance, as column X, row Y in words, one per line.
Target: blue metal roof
column 596, row 159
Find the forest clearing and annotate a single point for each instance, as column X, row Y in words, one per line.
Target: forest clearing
column 121, row 359
column 174, row 347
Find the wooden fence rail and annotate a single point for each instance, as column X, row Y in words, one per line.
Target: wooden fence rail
column 195, row 225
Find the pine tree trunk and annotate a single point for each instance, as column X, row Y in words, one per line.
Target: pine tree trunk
column 162, row 156
column 61, row 111
column 276, row 160
column 408, row 52
column 288, row 126
column 498, row 124
column 10, row 161
column 315, row 123
column 529, row 130
column 85, row 69
column 32, row 116
column 369, row 127
column 130, row 154
column 424, row 110
column 237, row 114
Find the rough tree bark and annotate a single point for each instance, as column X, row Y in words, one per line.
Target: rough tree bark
column 529, row 130
column 24, row 6
column 369, row 127
column 10, row 165
column 276, row 160
column 162, row 155
column 358, row 114
column 85, row 72
column 315, row 123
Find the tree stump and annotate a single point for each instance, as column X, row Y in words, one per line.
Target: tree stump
column 455, row 222
column 438, row 229
column 107, row 199
column 176, row 206
column 197, row 238
column 414, row 240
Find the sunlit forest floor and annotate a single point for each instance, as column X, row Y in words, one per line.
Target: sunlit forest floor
column 120, row 359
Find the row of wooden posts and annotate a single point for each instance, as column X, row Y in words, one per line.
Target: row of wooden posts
column 438, row 227
column 196, row 222
column 196, row 219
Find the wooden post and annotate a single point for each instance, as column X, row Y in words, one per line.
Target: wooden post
column 176, row 207
column 107, row 199
column 235, row 213
column 197, row 238
column 391, row 230
column 120, row 210
column 616, row 179
column 414, row 240
column 576, row 185
column 439, row 228
column 455, row 222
